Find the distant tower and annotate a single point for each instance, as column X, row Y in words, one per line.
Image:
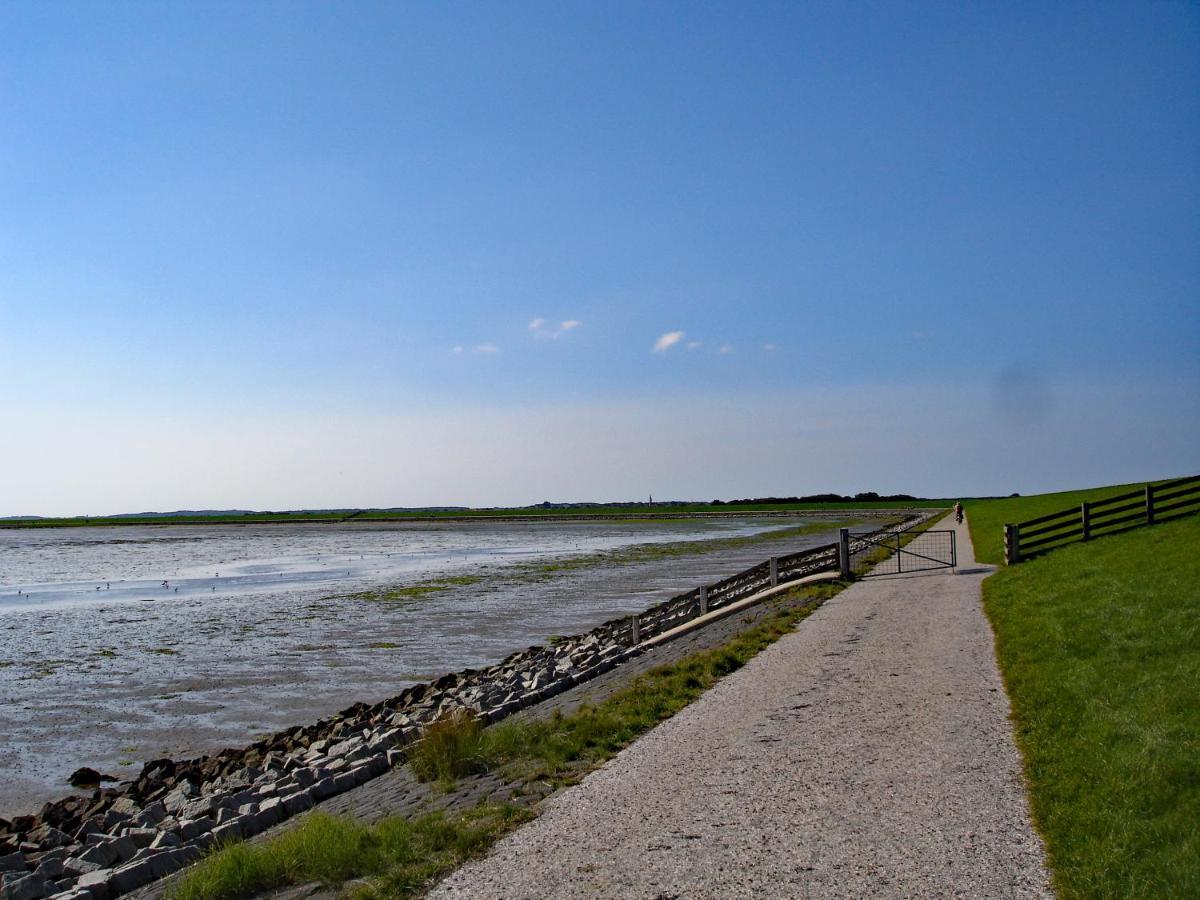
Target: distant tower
column 651, row 499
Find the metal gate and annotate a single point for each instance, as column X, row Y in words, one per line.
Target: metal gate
column 900, row 552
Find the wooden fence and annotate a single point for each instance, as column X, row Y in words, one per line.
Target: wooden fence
column 1154, row 503
column 770, row 573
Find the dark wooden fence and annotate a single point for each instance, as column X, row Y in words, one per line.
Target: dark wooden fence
column 1154, row 503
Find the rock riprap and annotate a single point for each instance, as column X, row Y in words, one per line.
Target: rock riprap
column 114, row 840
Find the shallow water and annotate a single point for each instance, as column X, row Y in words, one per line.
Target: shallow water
column 43, row 568
column 103, row 678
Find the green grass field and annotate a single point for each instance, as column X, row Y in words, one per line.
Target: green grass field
column 1099, row 644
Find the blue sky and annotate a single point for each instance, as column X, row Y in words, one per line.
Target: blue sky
column 940, row 248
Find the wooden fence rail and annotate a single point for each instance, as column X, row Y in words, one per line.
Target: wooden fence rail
column 1154, row 503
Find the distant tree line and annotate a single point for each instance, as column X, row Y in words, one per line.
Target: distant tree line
column 864, row 497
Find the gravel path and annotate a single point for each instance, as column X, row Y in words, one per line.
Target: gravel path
column 867, row 754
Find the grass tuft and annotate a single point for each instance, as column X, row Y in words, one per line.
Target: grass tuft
column 449, row 748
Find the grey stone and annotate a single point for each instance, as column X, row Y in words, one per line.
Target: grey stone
column 298, row 802
column 242, row 797
column 204, row 840
column 167, row 862
column 264, row 819
column 113, row 821
column 28, row 887
column 52, row 837
column 100, row 854
column 152, row 815
column 88, row 828
column 13, row 862
column 78, row 866
column 141, row 837
column 96, row 882
column 196, row 808
column 123, row 806
column 164, row 839
column 324, row 788
column 131, row 876
column 51, row 869
column 228, row 831
column 191, row 828
column 225, row 814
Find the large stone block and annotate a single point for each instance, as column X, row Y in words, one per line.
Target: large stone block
column 96, row 882
column 131, row 876
column 227, row 831
column 298, row 802
column 27, row 887
column 13, row 862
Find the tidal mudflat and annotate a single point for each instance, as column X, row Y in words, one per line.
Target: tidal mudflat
column 119, row 645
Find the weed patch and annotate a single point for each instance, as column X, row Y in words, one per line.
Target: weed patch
column 449, row 749
column 402, row 855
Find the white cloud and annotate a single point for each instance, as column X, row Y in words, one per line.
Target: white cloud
column 667, row 341
column 770, row 348
column 725, row 349
column 538, row 327
column 694, row 345
column 458, row 348
column 487, row 348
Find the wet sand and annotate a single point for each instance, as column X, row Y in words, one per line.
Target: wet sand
column 112, row 683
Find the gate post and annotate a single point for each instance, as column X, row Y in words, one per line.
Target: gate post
column 1149, row 504
column 635, row 630
column 774, row 571
column 703, row 599
column 844, row 553
column 1085, row 520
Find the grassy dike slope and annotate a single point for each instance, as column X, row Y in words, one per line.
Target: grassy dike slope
column 1099, row 645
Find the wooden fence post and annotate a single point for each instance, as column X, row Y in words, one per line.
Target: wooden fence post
column 774, row 571
column 844, row 553
column 1012, row 544
column 635, row 630
column 1085, row 520
column 703, row 599
column 1149, row 504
